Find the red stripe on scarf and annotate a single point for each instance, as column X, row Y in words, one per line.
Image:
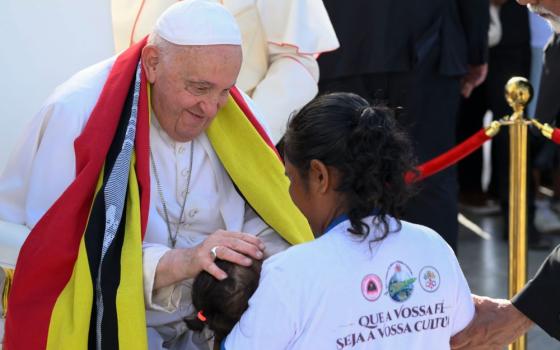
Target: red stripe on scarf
column 47, row 258
column 238, row 98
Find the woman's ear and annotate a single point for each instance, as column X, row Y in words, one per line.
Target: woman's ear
column 319, row 176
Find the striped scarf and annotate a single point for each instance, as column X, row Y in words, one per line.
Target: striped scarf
column 78, row 279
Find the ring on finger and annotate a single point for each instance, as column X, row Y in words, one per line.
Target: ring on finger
column 214, row 252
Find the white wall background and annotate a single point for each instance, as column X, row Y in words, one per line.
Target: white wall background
column 43, row 43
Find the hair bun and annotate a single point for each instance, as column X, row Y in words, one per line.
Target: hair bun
column 375, row 117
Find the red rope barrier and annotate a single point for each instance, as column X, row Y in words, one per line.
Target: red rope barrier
column 451, row 157
column 556, row 136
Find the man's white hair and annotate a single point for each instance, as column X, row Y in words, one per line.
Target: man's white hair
column 164, row 46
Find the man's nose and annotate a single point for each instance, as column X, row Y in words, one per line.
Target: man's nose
column 210, row 106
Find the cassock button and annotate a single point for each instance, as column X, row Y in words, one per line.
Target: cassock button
column 193, row 212
column 181, row 149
column 185, row 172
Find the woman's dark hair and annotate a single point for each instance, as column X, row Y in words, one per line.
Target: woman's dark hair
column 223, row 302
column 366, row 147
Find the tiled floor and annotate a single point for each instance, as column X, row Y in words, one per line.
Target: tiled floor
column 485, row 263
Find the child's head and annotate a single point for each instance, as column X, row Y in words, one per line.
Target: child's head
column 220, row 304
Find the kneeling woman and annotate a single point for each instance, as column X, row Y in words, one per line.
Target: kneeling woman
column 369, row 280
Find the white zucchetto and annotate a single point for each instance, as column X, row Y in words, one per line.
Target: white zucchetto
column 198, row 22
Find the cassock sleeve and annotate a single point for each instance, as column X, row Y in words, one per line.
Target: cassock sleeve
column 290, row 82
column 166, row 299
column 539, row 300
column 43, row 165
column 296, row 31
column 40, row 168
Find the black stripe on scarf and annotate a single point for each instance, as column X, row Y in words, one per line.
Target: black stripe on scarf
column 111, row 269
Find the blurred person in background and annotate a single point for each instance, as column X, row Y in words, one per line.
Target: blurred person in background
column 499, row 322
column 547, row 158
column 473, row 195
column 511, row 56
column 421, row 56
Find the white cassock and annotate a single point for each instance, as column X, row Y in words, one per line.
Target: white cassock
column 281, row 40
column 43, row 166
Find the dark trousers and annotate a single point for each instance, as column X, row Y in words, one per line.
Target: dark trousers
column 504, row 63
column 429, row 104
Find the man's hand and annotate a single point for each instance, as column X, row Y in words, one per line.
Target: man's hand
column 184, row 263
column 496, row 323
column 474, row 77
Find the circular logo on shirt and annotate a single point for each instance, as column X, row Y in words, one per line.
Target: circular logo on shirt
column 400, row 281
column 429, row 279
column 371, row 287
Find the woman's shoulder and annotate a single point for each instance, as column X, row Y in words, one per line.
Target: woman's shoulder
column 297, row 258
column 421, row 236
column 294, row 253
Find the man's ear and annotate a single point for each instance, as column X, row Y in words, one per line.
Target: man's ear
column 319, row 176
column 150, row 60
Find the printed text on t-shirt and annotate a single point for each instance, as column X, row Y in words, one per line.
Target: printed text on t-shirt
column 399, row 321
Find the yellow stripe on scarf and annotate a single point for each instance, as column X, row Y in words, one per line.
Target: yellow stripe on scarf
column 257, row 172
column 69, row 325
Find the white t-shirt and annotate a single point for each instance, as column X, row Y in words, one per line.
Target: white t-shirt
column 405, row 292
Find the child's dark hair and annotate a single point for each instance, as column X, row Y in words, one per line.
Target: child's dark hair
column 222, row 303
column 367, row 148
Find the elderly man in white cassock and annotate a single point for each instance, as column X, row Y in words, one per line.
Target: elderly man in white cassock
column 281, row 41
column 135, row 175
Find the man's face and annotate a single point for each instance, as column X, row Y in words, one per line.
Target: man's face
column 190, row 84
column 548, row 9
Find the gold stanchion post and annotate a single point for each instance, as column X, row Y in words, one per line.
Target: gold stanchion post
column 518, row 94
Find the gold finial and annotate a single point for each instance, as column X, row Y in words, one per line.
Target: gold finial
column 518, row 95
